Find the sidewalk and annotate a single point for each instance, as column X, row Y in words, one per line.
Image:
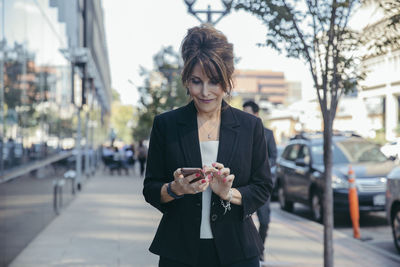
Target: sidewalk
column 110, row 224
column 294, row 241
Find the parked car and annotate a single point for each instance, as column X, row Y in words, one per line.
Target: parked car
column 300, row 173
column 393, row 204
column 392, row 149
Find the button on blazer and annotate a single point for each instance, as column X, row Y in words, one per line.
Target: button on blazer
column 174, row 143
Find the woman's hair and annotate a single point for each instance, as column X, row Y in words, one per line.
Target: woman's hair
column 210, row 48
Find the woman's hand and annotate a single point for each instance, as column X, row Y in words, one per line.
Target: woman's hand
column 220, row 179
column 182, row 186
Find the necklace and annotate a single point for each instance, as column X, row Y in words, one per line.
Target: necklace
column 209, row 131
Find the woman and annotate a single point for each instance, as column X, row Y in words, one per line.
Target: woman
column 208, row 222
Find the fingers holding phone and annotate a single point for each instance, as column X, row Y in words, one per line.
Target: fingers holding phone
column 222, row 179
column 192, row 175
column 190, row 180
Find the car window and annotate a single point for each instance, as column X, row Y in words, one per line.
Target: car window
column 286, row 152
column 317, row 154
column 361, row 151
column 304, row 154
column 291, row 152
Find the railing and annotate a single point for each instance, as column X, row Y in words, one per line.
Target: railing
column 34, row 166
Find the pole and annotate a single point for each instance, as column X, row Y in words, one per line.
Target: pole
column 87, row 167
column 93, row 152
column 79, row 133
column 2, row 121
column 79, row 153
column 209, row 14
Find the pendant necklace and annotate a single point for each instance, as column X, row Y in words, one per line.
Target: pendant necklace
column 210, row 131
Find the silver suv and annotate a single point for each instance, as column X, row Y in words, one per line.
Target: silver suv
column 300, row 173
column 393, row 204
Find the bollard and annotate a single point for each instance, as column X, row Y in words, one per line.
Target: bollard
column 353, row 204
column 71, row 175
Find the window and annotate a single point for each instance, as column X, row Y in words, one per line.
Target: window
column 304, row 154
column 361, row 151
column 291, row 152
column 317, row 152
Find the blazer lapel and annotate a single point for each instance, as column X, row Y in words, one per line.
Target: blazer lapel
column 228, row 136
column 228, row 139
column 189, row 137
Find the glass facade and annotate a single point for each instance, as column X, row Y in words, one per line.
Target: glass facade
column 39, row 96
column 38, row 118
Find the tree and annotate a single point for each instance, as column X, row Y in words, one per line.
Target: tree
column 162, row 90
column 384, row 35
column 317, row 32
column 122, row 118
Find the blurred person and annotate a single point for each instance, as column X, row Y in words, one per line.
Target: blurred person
column 142, row 157
column 107, row 156
column 263, row 213
column 116, row 163
column 130, row 154
column 207, row 222
column 123, row 160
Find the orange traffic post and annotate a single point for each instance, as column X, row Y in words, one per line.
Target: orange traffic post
column 353, row 204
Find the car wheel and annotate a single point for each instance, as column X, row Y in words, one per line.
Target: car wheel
column 316, row 206
column 285, row 204
column 396, row 227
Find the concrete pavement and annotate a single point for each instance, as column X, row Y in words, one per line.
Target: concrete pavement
column 110, row 224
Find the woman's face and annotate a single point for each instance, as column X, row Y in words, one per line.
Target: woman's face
column 207, row 94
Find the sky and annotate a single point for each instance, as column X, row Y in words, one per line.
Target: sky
column 136, row 30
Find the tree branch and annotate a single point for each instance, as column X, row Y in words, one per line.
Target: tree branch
column 331, row 35
column 305, row 46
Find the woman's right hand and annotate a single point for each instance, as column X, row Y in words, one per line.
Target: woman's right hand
column 182, row 186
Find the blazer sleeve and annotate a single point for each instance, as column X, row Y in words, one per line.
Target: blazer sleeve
column 155, row 176
column 259, row 188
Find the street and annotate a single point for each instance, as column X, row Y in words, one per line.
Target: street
column 374, row 227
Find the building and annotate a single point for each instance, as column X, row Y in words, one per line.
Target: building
column 293, row 92
column 263, row 86
column 380, row 91
column 54, row 95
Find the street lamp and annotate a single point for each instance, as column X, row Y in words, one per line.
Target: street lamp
column 209, row 12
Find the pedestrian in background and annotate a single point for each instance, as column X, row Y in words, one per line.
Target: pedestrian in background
column 142, row 157
column 207, row 222
column 263, row 213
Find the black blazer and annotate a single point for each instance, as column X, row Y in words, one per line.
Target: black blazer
column 174, row 143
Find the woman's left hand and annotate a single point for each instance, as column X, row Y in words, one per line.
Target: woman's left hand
column 220, row 179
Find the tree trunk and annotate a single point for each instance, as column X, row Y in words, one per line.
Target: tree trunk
column 328, row 195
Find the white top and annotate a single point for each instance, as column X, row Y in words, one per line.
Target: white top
column 209, row 151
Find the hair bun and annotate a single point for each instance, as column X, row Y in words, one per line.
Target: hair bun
column 210, row 48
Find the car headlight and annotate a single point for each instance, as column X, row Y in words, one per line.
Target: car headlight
column 339, row 183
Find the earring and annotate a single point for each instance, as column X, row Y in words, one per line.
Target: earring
column 187, row 91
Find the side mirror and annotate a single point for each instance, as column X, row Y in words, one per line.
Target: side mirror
column 300, row 162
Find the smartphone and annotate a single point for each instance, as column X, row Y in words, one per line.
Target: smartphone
column 189, row 171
